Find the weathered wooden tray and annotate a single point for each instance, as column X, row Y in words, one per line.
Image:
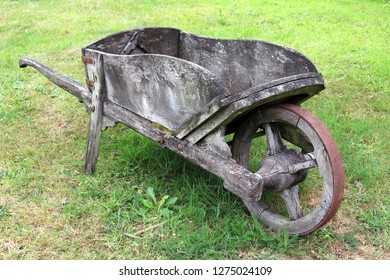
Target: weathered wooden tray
column 188, row 92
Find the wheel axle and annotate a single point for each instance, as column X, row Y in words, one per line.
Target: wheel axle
column 283, row 170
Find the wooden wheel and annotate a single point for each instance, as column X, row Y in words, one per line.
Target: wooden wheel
column 300, row 163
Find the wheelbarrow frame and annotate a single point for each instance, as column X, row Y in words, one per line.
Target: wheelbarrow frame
column 220, row 104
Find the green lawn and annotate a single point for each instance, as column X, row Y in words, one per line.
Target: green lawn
column 147, row 203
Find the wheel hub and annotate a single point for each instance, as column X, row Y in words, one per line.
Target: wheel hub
column 277, row 172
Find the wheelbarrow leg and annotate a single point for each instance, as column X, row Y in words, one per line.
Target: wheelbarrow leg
column 93, row 141
column 96, row 116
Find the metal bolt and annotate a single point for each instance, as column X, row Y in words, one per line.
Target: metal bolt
column 180, row 147
column 160, row 139
column 87, row 60
column 89, row 83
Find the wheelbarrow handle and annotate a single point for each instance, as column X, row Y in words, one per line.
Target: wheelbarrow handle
column 71, row 86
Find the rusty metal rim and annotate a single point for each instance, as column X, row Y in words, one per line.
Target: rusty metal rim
column 334, row 158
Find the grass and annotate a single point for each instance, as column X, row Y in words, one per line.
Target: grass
column 147, row 203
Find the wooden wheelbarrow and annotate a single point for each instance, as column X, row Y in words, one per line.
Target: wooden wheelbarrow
column 191, row 94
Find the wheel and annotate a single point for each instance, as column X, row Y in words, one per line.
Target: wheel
column 300, row 163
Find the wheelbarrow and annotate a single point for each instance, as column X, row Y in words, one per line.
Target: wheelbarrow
column 231, row 107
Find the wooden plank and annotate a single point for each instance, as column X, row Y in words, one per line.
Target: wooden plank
column 217, row 106
column 237, row 178
column 96, row 116
column 262, row 87
column 162, row 40
column 71, row 86
column 281, row 92
column 204, row 115
column 243, row 64
column 162, row 89
column 130, row 46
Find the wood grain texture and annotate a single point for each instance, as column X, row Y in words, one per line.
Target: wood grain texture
column 160, row 88
column 276, row 94
column 96, row 115
column 71, row 86
column 247, row 73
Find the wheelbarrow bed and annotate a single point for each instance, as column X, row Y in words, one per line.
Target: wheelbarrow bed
column 180, row 80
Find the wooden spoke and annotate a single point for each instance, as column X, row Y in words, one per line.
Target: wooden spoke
column 274, row 141
column 291, row 200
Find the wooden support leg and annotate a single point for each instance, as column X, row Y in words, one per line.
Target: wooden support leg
column 93, row 142
column 96, row 120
